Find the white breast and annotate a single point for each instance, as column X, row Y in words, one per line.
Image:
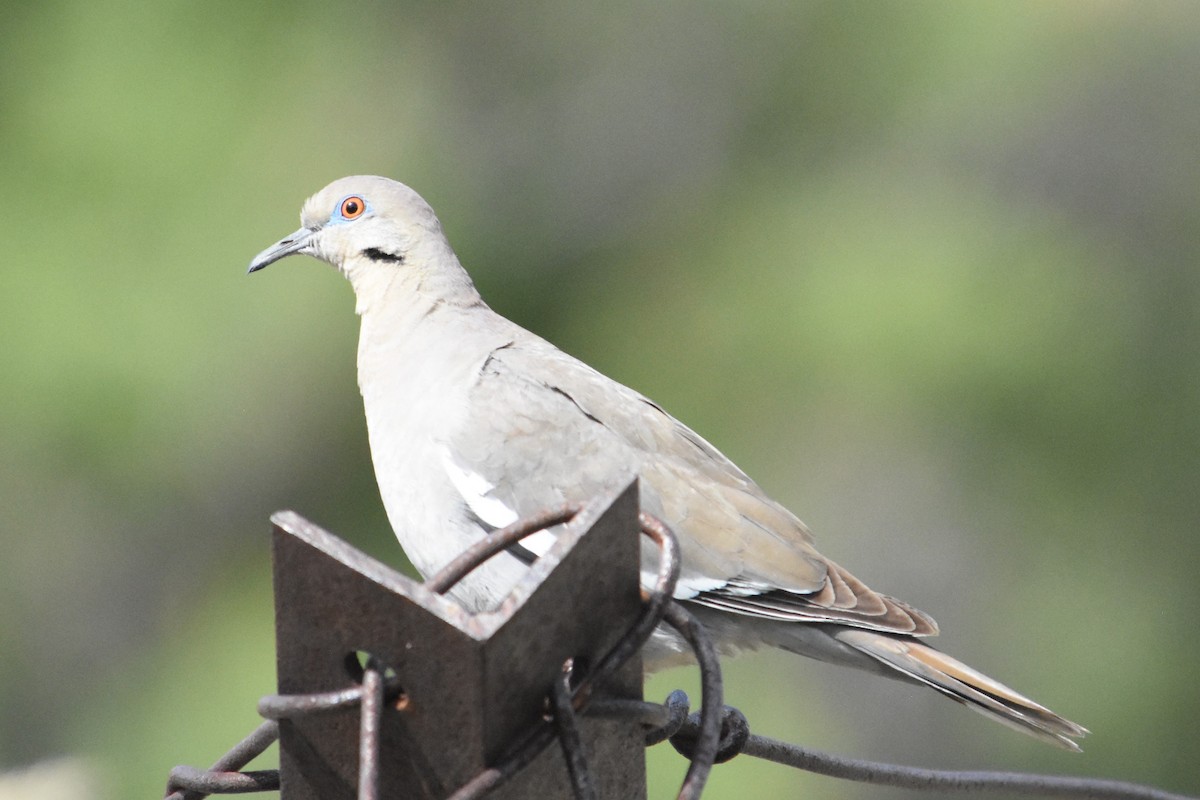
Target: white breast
column 414, row 379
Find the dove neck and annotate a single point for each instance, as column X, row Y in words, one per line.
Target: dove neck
column 408, row 283
column 423, row 333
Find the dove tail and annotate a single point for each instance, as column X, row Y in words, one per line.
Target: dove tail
column 921, row 663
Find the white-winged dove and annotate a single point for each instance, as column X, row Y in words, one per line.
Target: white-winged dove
column 475, row 422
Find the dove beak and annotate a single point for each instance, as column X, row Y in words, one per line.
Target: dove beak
column 298, row 242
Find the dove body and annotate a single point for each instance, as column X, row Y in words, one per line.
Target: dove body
column 475, row 422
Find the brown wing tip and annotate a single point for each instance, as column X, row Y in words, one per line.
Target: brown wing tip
column 842, row 599
column 923, row 624
column 871, row 609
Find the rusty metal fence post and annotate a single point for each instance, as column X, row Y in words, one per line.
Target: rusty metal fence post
column 387, row 689
column 460, row 689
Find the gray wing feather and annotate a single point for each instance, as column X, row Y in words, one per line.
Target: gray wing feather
column 544, row 428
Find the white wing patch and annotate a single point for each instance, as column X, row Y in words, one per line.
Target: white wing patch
column 474, row 489
column 688, row 585
column 740, row 587
column 539, row 543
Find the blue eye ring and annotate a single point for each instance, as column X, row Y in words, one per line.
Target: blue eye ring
column 351, row 207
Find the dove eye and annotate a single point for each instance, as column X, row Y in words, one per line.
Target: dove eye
column 352, row 207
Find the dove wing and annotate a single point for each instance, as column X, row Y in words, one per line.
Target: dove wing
column 544, row 428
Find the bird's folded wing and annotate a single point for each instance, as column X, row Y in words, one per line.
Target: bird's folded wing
column 542, row 428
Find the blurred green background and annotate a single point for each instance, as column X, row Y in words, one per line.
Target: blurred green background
column 928, row 271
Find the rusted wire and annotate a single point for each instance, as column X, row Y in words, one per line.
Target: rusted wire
column 496, row 541
column 950, row 781
column 676, row 706
column 735, row 732
column 662, row 721
column 717, row 733
column 711, row 699
column 873, row 772
column 286, row 706
column 657, row 603
column 203, row 782
column 370, row 717
column 567, row 727
column 654, row 603
column 189, row 783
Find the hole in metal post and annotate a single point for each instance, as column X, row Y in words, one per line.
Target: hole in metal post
column 574, row 672
column 576, row 669
column 356, row 665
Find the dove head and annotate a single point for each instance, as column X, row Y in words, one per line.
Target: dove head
column 381, row 235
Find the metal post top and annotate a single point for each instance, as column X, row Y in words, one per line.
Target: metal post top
column 472, row 684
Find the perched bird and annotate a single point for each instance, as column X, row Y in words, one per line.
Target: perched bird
column 474, row 422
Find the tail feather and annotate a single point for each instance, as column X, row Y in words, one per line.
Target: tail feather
column 956, row 680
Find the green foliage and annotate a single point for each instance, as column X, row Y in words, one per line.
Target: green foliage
column 927, row 271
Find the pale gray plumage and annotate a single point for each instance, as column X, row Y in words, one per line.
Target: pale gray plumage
column 474, row 421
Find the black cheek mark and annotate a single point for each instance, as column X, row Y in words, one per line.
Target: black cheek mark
column 375, row 254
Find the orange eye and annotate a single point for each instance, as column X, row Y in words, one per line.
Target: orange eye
column 353, row 207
